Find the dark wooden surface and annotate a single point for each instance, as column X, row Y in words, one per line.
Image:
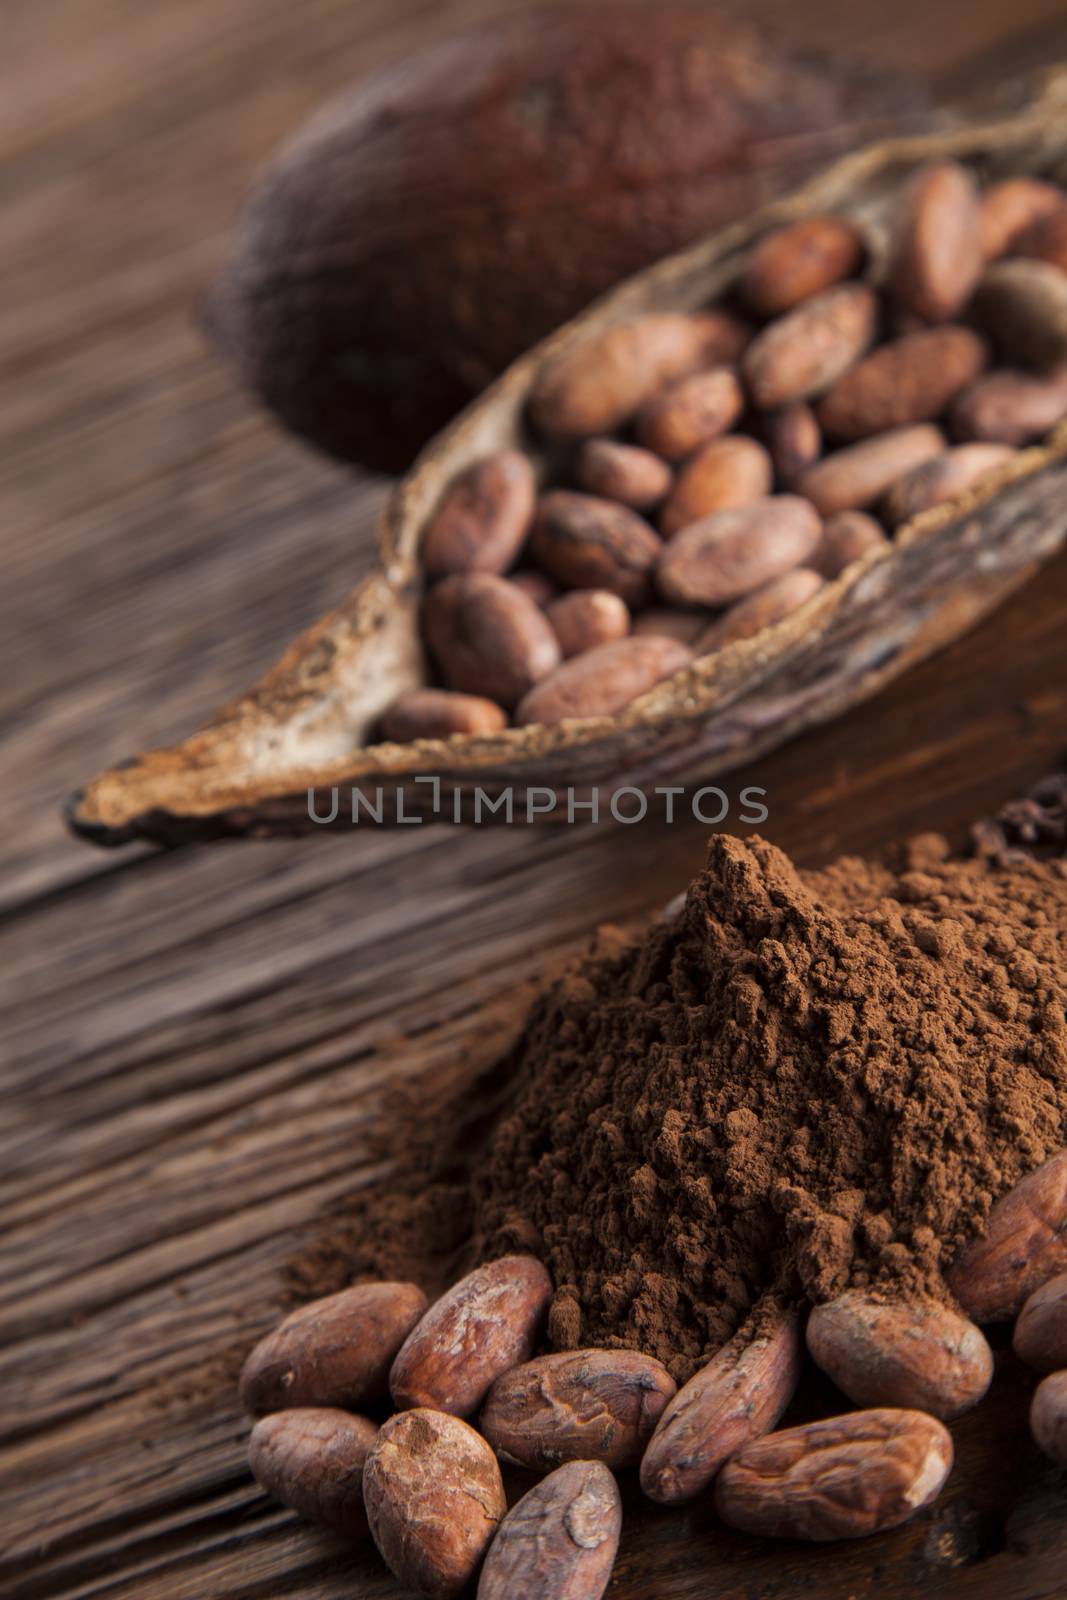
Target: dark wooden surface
column 198, row 1050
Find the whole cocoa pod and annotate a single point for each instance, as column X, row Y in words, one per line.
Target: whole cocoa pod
column 559, row 1541
column 1024, row 1245
column 312, row 1461
column 441, row 217
column 1040, row 1337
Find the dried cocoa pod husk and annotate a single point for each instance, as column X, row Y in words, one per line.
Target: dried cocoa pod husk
column 909, row 380
column 1048, row 1417
column 312, row 1461
column 559, row 1541
column 1024, row 1245
column 1040, row 1336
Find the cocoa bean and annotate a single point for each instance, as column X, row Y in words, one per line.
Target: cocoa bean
column 761, row 609
column 483, row 519
column 738, row 1396
column 1010, row 407
column 488, row 637
column 690, row 413
column 672, row 622
column 845, row 538
column 485, row 1324
column 624, row 472
column 537, row 585
column 910, row 380
column 936, row 256
column 577, row 1405
column 944, row 478
column 849, row 479
column 1007, row 209
column 332, row 1352
column 441, row 713
column 1048, row 1417
column 725, row 556
column 843, row 1478
column 604, row 680
column 1040, row 1337
column 312, row 1461
column 587, row 617
column 916, row 1354
column 559, row 1541
column 1045, row 240
column 586, row 543
column 725, row 473
column 794, row 439
column 799, row 261
column 1024, row 1245
column 803, row 353
column 1023, row 304
column 434, row 1499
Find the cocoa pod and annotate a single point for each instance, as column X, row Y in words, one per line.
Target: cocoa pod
column 738, row 1396
column 577, row 1405
column 604, row 680
column 1010, row 408
column 1048, row 1417
column 845, row 538
column 441, row 713
column 761, row 609
column 624, row 472
column 332, row 1352
column 585, row 543
column 483, row 1325
column 794, row 263
column 1040, row 1337
column 725, row 473
column 855, row 477
column 604, row 381
column 585, row 618
column 910, row 380
column 727, row 555
column 1045, row 239
column 1023, row 305
column 794, row 439
column 311, row 1460
column 1024, row 1245
column 483, row 518
column 844, row 1478
column 936, row 256
column 559, row 1542
column 917, row 1354
column 691, row 413
column 1008, row 208
column 488, row 637
column 944, row 478
column 434, row 1498
column 803, row 353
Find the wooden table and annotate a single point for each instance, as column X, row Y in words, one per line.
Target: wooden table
column 199, row 1048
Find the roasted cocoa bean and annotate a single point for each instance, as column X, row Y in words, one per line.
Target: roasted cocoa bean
column 845, row 538
column 771, row 603
column 726, row 556
column 587, row 617
column 690, row 413
column 559, row 1542
column 483, row 519
column 312, row 1461
column 441, row 713
column 1023, row 305
column 586, row 543
column 1040, row 1337
column 488, row 637
column 624, row 472
column 726, row 473
column 1010, row 408
column 799, row 261
column 936, row 256
column 855, row 477
column 1048, row 1417
column 944, row 478
column 910, row 380
column 794, row 439
column 803, row 353
column 1007, row 209
column 1024, row 1245
column 604, row 680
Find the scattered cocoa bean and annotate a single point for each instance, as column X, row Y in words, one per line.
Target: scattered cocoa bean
column 844, row 539
column 585, row 618
column 690, row 413
column 1010, row 407
column 1040, row 1337
column 910, row 380
column 803, row 353
column 483, row 519
column 799, row 261
column 761, row 609
column 672, row 622
column 586, row 543
column 855, row 477
column 559, row 1542
column 936, row 256
column 488, row 637
column 844, row 1478
column 725, row 556
column 537, row 585
column 577, row 1405
column 604, row 680
column 794, row 439
column 1024, row 1245
column 944, row 478
column 624, row 472
column 1008, row 208
column 484, row 1325
column 738, row 1396
column 312, row 1461
column 434, row 1499
column 1048, row 1417
column 440, row 713
column 1044, row 240
column 725, row 473
column 1023, row 304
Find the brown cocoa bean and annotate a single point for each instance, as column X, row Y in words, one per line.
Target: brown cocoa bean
column 559, row 1542
column 794, row 439
column 799, row 261
column 483, row 518
column 845, row 538
column 1023, row 304
column 944, row 478
column 577, row 1405
column 332, row 1352
column 624, row 472
column 727, row 555
column 843, row 1478
column 920, row 1355
column 1048, row 1417
column 803, row 353
column 311, row 1460
column 725, row 473
column 439, row 714
column 1045, row 240
column 738, row 1396
column 1007, row 209
column 587, row 617
column 690, row 413
column 672, row 622
column 910, row 380
column 936, row 255
column 586, row 543
column 761, row 609
column 855, row 477
column 488, row 637
column 537, row 585
column 604, row 680
column 484, row 1325
column 434, row 1499
column 1024, row 1245
column 604, row 381
column 1010, row 408
column 1040, row 1337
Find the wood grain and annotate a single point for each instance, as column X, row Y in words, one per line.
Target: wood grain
column 198, row 1052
